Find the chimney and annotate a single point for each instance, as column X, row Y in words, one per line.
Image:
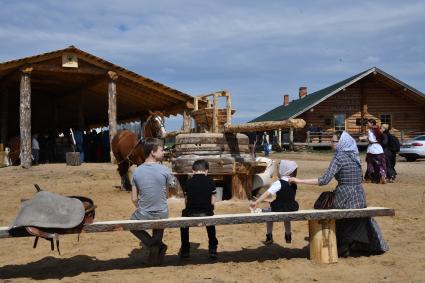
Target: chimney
column 286, row 100
column 303, row 91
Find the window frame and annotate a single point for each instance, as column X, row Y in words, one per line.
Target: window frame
column 345, row 122
column 390, row 124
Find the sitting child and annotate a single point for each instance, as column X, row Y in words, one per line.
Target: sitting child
column 285, row 198
column 199, row 194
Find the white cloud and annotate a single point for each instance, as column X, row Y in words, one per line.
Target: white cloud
column 254, row 49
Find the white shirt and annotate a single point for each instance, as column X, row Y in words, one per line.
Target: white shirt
column 35, row 144
column 373, row 147
column 276, row 186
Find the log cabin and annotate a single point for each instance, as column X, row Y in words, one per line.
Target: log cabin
column 342, row 106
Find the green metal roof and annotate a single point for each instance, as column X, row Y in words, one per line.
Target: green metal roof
column 299, row 106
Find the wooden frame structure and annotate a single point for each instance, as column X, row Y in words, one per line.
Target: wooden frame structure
column 215, row 113
column 220, row 143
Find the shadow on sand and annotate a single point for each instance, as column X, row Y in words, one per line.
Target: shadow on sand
column 58, row 268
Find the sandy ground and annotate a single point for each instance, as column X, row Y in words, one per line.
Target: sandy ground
column 116, row 257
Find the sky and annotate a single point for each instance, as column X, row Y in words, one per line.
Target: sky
column 257, row 50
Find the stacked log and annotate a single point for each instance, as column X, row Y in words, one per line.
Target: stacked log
column 211, row 144
column 222, row 151
column 227, row 154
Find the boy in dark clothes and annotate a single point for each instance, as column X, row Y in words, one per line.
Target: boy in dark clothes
column 285, row 198
column 199, row 194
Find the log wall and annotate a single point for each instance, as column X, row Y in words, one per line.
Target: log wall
column 378, row 98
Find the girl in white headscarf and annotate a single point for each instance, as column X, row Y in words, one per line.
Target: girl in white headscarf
column 285, row 198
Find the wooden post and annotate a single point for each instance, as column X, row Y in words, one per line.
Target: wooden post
column 195, row 103
column 238, row 191
column 228, row 109
column 112, row 107
column 291, row 138
column 323, row 246
column 215, row 114
column 249, row 182
column 279, row 137
column 242, row 186
column 4, row 117
column 25, row 117
column 187, row 122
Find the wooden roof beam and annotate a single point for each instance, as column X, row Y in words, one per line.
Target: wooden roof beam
column 59, row 69
column 149, row 91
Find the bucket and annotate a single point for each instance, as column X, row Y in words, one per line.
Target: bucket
column 219, row 193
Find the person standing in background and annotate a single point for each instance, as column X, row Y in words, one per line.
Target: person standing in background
column 266, row 144
column 35, row 149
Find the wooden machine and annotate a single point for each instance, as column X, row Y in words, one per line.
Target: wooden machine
column 222, row 144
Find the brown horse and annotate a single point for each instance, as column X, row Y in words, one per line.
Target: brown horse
column 128, row 148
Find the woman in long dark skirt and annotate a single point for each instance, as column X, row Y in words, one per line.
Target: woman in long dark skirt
column 356, row 234
column 376, row 162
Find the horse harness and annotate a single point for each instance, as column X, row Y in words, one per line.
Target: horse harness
column 128, row 157
column 140, row 141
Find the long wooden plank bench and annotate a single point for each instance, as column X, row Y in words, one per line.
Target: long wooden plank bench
column 322, row 233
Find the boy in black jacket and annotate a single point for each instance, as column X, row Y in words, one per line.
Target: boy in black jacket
column 199, row 194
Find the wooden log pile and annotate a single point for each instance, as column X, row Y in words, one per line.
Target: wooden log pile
column 211, row 144
column 227, row 154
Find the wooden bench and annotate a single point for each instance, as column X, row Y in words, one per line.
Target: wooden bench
column 322, row 234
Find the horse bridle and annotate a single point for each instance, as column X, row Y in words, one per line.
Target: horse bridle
column 157, row 118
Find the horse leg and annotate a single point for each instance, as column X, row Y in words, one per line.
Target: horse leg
column 123, row 171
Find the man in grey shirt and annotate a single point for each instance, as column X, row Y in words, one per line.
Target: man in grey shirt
column 149, row 195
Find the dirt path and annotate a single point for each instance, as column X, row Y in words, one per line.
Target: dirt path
column 242, row 256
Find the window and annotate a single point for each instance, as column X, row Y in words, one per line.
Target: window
column 339, row 122
column 385, row 119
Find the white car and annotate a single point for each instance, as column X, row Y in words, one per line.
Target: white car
column 413, row 148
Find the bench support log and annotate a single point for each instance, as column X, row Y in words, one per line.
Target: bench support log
column 323, row 247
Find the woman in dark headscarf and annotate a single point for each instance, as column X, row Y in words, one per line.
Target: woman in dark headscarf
column 356, row 234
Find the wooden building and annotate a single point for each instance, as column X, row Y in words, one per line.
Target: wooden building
column 341, row 106
column 70, row 88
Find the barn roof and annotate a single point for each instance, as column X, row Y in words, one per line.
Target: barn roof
column 301, row 105
column 88, row 82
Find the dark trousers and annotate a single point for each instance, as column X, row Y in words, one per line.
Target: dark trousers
column 212, row 240
column 35, row 155
column 142, row 235
column 148, row 240
column 184, row 232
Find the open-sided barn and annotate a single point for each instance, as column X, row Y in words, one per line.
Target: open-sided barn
column 70, row 88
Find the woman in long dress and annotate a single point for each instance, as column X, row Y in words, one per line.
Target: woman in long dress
column 376, row 162
column 356, row 234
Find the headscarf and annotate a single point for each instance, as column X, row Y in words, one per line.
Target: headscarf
column 347, row 144
column 286, row 167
